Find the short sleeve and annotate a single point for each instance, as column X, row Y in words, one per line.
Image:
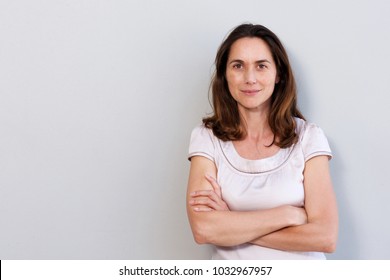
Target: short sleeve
column 202, row 143
column 314, row 142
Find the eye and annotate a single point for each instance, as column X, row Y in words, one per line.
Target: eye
column 262, row 66
column 237, row 66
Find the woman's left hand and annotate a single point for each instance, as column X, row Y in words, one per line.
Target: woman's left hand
column 208, row 200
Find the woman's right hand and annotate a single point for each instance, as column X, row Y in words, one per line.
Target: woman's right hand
column 209, row 200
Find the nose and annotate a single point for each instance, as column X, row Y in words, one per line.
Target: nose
column 250, row 77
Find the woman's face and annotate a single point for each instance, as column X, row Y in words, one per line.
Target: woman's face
column 251, row 74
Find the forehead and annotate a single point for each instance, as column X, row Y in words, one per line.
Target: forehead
column 249, row 48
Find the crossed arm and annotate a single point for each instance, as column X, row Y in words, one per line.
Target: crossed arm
column 313, row 228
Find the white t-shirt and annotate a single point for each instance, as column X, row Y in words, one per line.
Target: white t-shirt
column 261, row 184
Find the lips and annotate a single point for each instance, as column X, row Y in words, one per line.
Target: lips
column 250, row 92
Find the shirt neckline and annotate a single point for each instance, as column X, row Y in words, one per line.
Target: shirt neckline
column 256, row 166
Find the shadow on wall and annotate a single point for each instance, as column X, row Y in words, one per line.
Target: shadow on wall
column 348, row 245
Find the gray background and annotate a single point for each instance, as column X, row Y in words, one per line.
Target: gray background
column 98, row 99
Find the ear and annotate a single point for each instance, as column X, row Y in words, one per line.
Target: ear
column 277, row 80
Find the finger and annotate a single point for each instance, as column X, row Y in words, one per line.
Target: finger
column 212, row 196
column 219, row 205
column 207, row 193
column 214, row 184
column 201, row 193
column 204, row 202
column 202, row 209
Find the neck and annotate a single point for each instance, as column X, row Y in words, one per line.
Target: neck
column 256, row 123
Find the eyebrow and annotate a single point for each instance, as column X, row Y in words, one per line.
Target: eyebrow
column 257, row 61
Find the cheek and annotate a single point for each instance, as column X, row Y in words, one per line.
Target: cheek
column 233, row 81
column 232, row 89
column 269, row 79
column 231, row 78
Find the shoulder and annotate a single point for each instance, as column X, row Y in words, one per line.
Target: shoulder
column 202, row 132
column 307, row 129
column 312, row 139
column 202, row 142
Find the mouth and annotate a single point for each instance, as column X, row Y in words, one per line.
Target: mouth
column 250, row 92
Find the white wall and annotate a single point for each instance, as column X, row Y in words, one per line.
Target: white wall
column 98, row 98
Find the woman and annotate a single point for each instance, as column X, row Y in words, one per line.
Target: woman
column 259, row 184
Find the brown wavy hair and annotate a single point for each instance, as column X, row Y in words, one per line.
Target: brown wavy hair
column 225, row 122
